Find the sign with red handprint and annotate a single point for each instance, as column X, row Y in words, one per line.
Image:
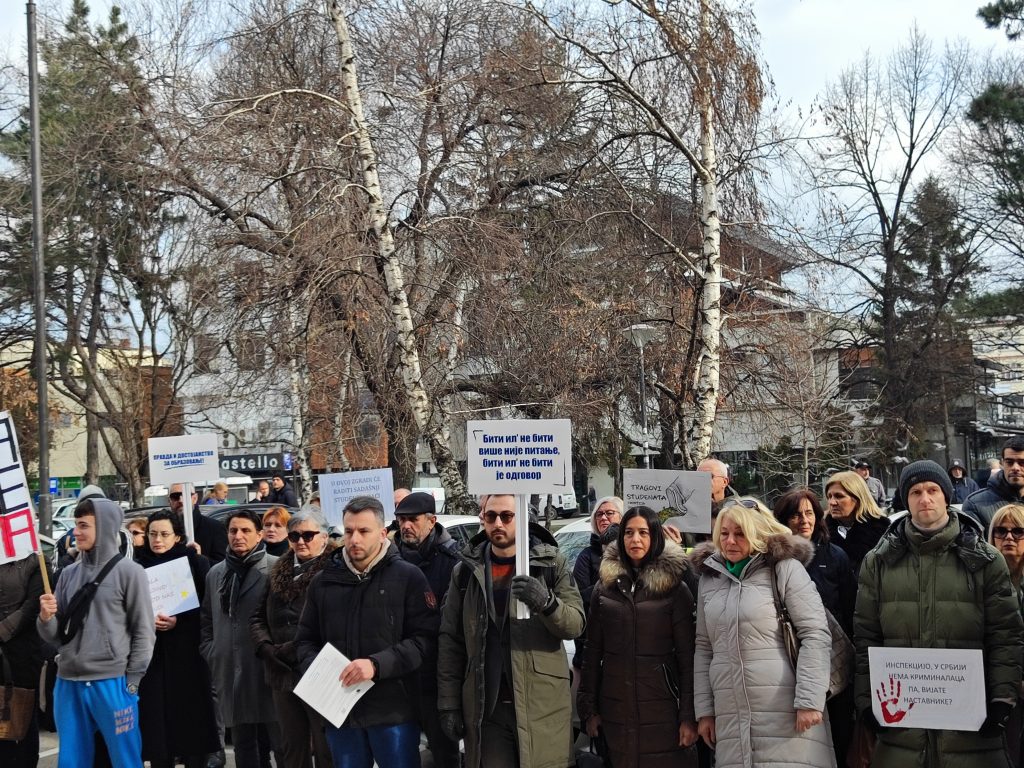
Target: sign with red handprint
column 927, row 688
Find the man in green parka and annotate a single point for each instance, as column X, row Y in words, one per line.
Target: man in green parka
column 933, row 582
column 503, row 683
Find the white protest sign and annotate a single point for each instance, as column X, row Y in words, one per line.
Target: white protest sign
column 519, row 456
column 171, row 587
column 935, row 688
column 336, row 490
column 321, row 687
column 184, row 459
column 17, row 520
column 682, row 499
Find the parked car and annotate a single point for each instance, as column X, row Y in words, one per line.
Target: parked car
column 461, row 527
column 573, row 538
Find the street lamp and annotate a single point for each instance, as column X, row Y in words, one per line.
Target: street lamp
column 641, row 334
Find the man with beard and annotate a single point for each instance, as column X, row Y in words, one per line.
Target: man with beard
column 503, row 682
column 424, row 542
column 235, row 590
column 379, row 611
column 209, row 533
column 1005, row 487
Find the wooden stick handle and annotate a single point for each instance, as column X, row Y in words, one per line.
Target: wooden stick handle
column 43, row 571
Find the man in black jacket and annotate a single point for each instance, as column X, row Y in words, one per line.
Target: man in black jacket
column 211, row 535
column 282, row 492
column 424, row 542
column 1005, row 487
column 380, row 612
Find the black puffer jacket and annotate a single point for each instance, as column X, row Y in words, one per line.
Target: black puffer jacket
column 388, row 615
column 832, row 574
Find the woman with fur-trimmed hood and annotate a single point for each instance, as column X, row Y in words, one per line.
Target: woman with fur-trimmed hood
column 752, row 706
column 273, row 629
column 637, row 682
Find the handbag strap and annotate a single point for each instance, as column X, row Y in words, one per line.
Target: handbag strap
column 781, row 612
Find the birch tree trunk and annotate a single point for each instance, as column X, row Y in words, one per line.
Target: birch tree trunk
column 431, row 419
column 298, row 390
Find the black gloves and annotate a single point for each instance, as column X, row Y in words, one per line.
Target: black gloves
column 531, row 592
column 452, row 725
column 870, row 721
column 995, row 722
column 269, row 653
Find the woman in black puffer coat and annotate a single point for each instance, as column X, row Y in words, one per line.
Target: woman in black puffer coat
column 604, row 521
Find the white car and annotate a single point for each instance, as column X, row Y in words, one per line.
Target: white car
column 573, row 538
column 461, row 527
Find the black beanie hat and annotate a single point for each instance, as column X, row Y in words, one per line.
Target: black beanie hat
column 922, row 472
column 418, row 503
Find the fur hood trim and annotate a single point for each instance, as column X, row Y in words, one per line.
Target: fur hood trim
column 778, row 547
column 658, row 577
column 285, row 585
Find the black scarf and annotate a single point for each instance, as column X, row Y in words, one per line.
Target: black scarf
column 237, row 568
column 147, row 558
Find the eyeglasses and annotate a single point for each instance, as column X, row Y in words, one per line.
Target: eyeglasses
column 1013, row 462
column 174, row 496
column 490, row 517
column 137, row 533
column 609, row 515
column 1000, row 532
column 306, row 536
column 748, row 503
column 160, row 535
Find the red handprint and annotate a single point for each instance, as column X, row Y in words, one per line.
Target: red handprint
column 890, row 699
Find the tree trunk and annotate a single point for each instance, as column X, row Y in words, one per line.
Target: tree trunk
column 298, row 391
column 431, row 419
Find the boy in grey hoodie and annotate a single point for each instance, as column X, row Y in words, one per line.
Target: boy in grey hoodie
column 99, row 669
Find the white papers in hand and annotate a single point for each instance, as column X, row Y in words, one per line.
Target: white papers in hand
column 321, row 687
column 171, row 588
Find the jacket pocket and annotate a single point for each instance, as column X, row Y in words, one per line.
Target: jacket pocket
column 553, row 665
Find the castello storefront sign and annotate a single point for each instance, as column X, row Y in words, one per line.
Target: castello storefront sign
column 257, row 463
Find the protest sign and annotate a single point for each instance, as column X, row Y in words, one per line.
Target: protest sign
column 519, row 457
column 935, row 688
column 18, row 538
column 171, row 588
column 682, row 499
column 321, row 686
column 336, row 490
column 184, row 459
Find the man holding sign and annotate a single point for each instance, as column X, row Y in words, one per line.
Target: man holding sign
column 503, row 683
column 933, row 582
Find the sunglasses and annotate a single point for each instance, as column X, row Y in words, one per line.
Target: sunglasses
column 306, row 536
column 748, row 503
column 490, row 517
column 1001, row 532
column 174, row 496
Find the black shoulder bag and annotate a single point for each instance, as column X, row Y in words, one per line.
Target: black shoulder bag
column 78, row 608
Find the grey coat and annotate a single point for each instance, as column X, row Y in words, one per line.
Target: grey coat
column 742, row 675
column 227, row 645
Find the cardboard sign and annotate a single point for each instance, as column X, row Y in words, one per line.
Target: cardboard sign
column 171, row 587
column 336, row 490
column 942, row 689
column 18, row 538
column 184, row 459
column 682, row 499
column 519, row 456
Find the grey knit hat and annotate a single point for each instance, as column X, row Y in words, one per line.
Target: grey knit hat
column 922, row 472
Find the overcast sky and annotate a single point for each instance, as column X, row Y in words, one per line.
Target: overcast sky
column 806, row 42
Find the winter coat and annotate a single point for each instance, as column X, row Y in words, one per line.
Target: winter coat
column 277, row 619
column 742, row 674
column 860, row 537
column 225, row 642
column 638, row 663
column 436, row 556
column 175, row 700
column 962, row 488
column 284, row 496
column 586, row 574
column 951, row 590
column 211, row 536
column 21, row 584
column 832, row 574
column 982, row 505
column 540, row 669
column 387, row 615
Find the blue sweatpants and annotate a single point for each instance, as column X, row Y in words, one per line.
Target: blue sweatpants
column 83, row 707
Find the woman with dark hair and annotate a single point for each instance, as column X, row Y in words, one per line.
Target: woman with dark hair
column 637, row 681
column 176, row 714
column 830, row 570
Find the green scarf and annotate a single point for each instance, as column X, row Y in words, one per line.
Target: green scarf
column 737, row 568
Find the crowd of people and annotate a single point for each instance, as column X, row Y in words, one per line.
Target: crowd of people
column 719, row 651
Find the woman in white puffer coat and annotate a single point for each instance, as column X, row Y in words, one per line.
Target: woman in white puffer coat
column 752, row 706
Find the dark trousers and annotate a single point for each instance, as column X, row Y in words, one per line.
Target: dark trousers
column 302, row 733
column 246, row 739
column 388, row 746
column 444, row 751
column 499, row 739
column 24, row 753
column 840, row 720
